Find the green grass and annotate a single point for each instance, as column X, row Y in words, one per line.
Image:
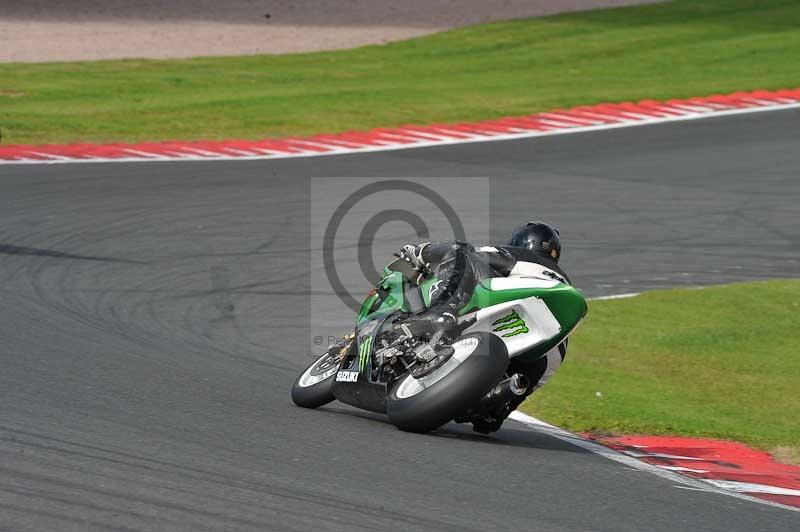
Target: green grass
column 719, row 362
column 677, row 49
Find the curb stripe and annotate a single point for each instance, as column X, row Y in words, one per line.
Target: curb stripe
column 555, row 122
column 728, row 465
column 681, row 481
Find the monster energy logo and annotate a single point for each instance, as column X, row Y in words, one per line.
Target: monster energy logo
column 512, row 323
column 363, row 353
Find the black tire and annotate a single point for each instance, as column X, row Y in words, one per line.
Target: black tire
column 313, row 388
column 452, row 388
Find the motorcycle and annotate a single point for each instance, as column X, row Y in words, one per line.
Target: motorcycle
column 423, row 376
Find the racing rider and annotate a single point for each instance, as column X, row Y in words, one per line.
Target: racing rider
column 534, row 247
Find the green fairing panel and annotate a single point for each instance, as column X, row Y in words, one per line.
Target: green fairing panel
column 391, row 282
column 565, row 302
column 426, row 290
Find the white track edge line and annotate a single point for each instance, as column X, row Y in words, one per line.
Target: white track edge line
column 616, row 296
column 632, row 462
column 423, row 144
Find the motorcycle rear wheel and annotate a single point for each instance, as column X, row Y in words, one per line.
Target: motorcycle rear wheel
column 421, row 405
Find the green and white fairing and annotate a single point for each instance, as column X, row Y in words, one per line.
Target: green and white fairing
column 530, row 310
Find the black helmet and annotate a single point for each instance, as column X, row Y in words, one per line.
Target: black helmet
column 537, row 236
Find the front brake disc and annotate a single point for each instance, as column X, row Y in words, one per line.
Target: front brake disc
column 421, row 369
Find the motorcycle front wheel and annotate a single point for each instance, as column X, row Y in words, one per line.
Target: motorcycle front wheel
column 422, row 404
column 313, row 388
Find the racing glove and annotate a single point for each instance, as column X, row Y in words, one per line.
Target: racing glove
column 413, row 255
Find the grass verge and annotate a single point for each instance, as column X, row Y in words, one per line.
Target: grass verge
column 720, row 362
column 676, row 49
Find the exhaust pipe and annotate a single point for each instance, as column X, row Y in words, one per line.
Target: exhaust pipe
column 518, row 384
column 515, row 386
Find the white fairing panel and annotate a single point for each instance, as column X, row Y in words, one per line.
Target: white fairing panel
column 510, row 283
column 521, row 324
column 532, row 269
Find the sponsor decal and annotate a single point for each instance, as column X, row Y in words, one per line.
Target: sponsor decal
column 347, row 376
column 511, row 323
column 553, row 275
column 363, row 352
column 434, row 288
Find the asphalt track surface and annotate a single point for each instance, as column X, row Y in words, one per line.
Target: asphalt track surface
column 147, row 313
